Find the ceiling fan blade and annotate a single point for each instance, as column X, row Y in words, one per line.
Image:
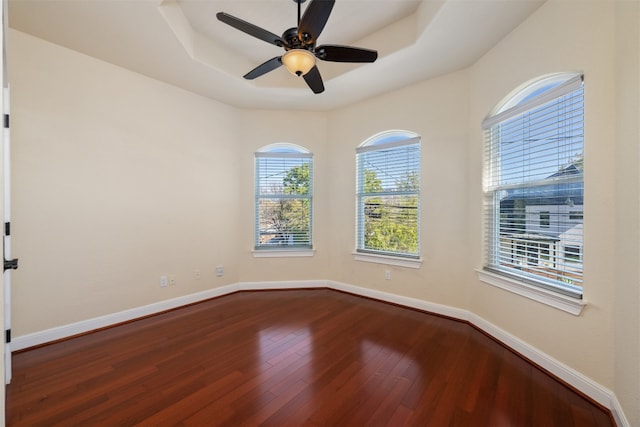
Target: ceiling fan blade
column 264, row 68
column 314, row 80
column 314, row 19
column 252, row 30
column 338, row 53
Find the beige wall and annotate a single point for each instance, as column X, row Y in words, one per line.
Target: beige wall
column 603, row 342
column 437, row 111
column 309, row 130
column 447, row 112
column 558, row 37
column 119, row 179
column 165, row 188
column 627, row 210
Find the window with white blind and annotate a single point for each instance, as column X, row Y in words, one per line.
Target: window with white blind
column 388, row 195
column 534, row 191
column 283, row 197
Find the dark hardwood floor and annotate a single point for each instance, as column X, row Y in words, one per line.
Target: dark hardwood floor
column 289, row 358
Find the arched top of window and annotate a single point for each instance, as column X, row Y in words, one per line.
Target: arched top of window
column 389, row 140
column 283, row 147
column 389, row 137
column 534, row 92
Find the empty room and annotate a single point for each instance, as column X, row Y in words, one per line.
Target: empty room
column 319, row 212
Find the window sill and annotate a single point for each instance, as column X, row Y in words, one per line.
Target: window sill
column 388, row 260
column 283, row 253
column 561, row 302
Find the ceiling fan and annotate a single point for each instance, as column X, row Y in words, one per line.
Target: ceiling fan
column 300, row 44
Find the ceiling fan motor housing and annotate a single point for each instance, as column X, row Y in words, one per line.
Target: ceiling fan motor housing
column 292, row 38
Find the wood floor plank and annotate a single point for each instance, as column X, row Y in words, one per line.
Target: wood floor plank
column 289, row 358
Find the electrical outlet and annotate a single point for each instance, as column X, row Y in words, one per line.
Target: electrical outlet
column 387, row 275
column 219, row 271
column 163, row 281
column 172, row 280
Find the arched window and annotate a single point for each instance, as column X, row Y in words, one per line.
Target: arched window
column 283, row 197
column 534, row 191
column 388, row 195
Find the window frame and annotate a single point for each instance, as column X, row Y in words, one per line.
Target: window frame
column 528, row 97
column 285, row 152
column 385, row 141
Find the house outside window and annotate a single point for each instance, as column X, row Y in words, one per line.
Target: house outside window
column 534, row 191
column 283, row 197
column 388, row 195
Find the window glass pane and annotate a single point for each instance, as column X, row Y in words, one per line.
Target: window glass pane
column 391, row 224
column 575, row 215
column 284, row 222
column 283, row 175
column 284, row 179
column 535, row 192
column 545, row 219
column 388, row 197
column 572, row 253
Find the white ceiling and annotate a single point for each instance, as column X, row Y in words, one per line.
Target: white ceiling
column 182, row 43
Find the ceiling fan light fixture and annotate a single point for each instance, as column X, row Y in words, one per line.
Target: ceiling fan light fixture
column 299, row 61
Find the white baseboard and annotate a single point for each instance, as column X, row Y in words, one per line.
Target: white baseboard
column 65, row 331
column 618, row 413
column 291, row 284
column 562, row 371
column 419, row 304
column 597, row 392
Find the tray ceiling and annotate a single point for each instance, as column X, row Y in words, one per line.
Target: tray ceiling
column 182, row 43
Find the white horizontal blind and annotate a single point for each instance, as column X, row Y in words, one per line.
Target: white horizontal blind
column 283, row 200
column 388, row 198
column 534, row 192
